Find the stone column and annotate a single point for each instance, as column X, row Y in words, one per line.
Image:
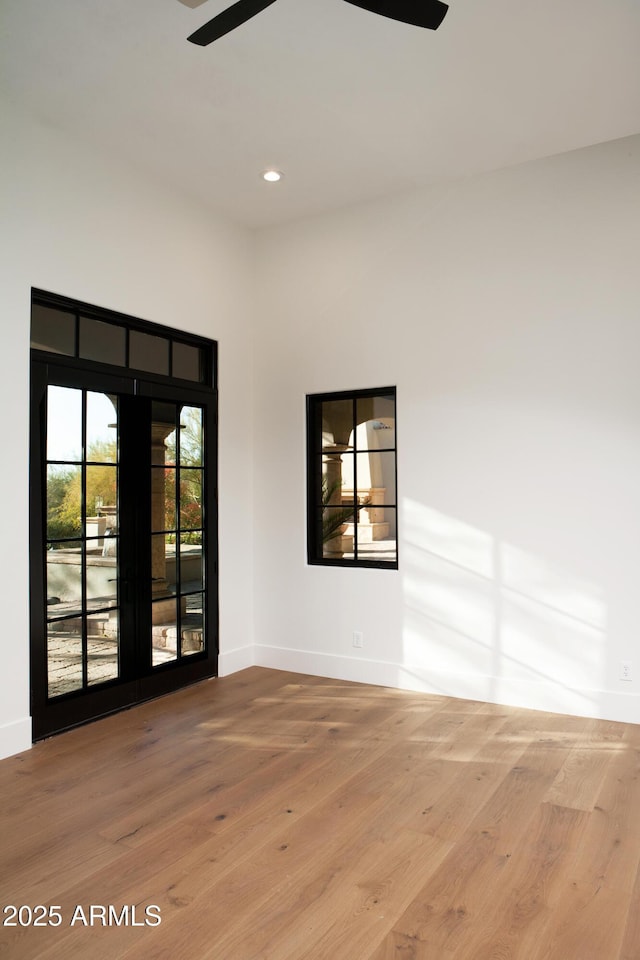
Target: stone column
column 163, row 611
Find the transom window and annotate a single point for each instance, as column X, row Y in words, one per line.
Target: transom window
column 89, row 334
column 352, row 498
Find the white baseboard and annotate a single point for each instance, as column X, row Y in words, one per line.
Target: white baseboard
column 15, row 737
column 550, row 697
column 231, row 661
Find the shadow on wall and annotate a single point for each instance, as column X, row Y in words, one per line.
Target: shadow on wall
column 486, row 620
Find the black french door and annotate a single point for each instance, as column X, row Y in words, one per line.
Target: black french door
column 123, row 541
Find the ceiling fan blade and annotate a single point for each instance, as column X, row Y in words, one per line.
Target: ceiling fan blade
column 228, row 20
column 419, row 13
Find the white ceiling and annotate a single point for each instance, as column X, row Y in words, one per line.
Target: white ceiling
column 350, row 105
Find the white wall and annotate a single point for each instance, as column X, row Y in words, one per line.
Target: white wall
column 506, row 310
column 78, row 224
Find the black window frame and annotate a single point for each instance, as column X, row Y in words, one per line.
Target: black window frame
column 315, row 506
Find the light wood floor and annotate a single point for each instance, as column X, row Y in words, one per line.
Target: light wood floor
column 273, row 816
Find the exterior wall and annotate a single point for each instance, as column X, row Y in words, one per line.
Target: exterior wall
column 78, row 224
column 505, row 310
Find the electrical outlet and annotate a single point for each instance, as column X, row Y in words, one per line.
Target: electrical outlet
column 358, row 639
column 625, row 670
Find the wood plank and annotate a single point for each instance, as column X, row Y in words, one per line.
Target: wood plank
column 452, row 904
column 580, row 778
column 523, row 885
column 630, row 949
column 609, row 854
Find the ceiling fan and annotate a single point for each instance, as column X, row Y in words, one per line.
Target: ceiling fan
column 418, row 13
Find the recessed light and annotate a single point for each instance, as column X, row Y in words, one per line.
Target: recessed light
column 272, row 176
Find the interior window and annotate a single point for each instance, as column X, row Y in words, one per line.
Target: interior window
column 352, row 500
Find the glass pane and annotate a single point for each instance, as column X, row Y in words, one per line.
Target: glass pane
column 163, row 498
column 102, row 428
column 337, row 531
column 376, row 478
column 102, row 575
column 64, row 501
column 64, row 581
column 148, row 352
column 64, row 656
column 336, row 423
column 164, row 631
column 64, row 424
column 53, row 330
column 187, row 362
column 102, row 500
column 191, row 566
column 337, row 478
column 381, row 408
column 110, row 539
column 376, row 435
column 163, row 433
column 191, row 437
column 105, row 342
column 163, row 565
column 377, row 537
column 190, row 499
column 192, row 627
column 102, row 646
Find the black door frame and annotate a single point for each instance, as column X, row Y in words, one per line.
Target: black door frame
column 138, row 680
